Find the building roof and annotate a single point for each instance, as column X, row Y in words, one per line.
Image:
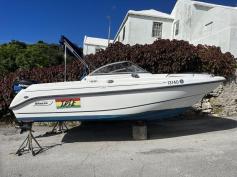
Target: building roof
column 146, row 13
column 150, row 13
column 96, row 41
column 212, row 5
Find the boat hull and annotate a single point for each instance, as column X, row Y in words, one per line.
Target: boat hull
column 131, row 104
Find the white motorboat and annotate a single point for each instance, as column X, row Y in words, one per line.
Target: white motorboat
column 117, row 91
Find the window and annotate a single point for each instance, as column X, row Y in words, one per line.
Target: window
column 124, row 32
column 176, row 25
column 97, row 50
column 157, row 29
column 207, row 29
column 122, row 67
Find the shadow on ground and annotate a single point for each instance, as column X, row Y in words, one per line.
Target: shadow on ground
column 122, row 131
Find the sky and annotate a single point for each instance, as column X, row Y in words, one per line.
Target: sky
column 33, row 20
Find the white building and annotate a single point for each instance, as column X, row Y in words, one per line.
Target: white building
column 205, row 23
column 144, row 27
column 92, row 45
column 193, row 21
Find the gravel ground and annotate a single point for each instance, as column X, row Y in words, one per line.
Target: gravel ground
column 185, row 148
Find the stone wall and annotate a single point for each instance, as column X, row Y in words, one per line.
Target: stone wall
column 221, row 102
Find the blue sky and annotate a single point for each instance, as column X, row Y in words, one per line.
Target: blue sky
column 33, row 20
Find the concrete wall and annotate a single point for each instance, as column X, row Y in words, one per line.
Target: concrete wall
column 127, row 32
column 182, row 13
column 233, row 41
column 217, row 27
column 91, row 49
column 139, row 30
column 233, row 32
column 199, row 24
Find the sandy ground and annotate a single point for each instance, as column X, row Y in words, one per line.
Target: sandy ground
column 185, row 148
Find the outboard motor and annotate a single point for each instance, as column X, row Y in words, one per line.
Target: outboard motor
column 22, row 84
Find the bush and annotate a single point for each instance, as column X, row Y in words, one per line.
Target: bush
column 163, row 56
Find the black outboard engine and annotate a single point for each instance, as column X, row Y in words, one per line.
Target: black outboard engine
column 22, row 84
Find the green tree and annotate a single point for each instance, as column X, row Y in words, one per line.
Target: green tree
column 33, row 56
column 16, row 54
column 8, row 55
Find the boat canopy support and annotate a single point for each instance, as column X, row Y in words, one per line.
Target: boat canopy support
column 68, row 45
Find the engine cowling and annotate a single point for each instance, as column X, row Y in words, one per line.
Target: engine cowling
column 22, row 84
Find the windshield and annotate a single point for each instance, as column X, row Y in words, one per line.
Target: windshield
column 123, row 67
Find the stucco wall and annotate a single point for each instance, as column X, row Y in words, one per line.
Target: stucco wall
column 233, row 41
column 211, row 29
column 120, row 34
column 233, row 33
column 199, row 24
column 90, row 49
column 198, row 21
column 182, row 13
column 140, row 29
